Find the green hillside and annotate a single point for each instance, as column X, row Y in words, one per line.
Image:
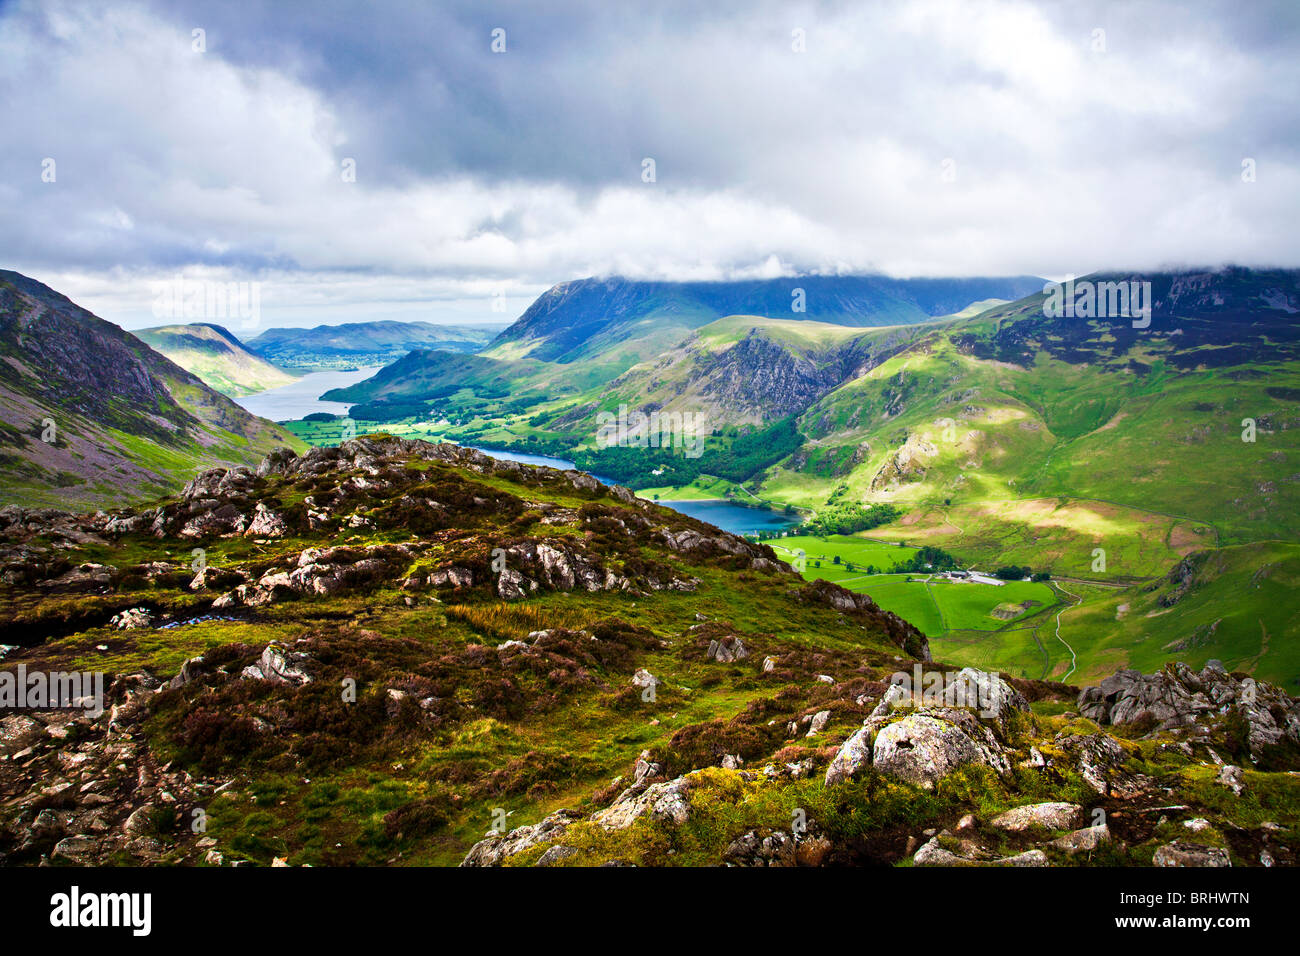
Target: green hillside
column 217, row 357
column 1100, row 453
column 91, row 417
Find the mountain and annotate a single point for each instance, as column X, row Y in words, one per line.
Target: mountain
column 365, row 343
column 1103, row 453
column 1082, row 447
column 397, row 646
column 748, row 369
column 576, row 320
column 91, row 416
column 216, row 356
column 579, row 336
column 1089, row 407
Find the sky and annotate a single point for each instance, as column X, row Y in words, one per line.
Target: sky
column 449, row 161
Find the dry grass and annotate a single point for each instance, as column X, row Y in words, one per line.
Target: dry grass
column 513, row 621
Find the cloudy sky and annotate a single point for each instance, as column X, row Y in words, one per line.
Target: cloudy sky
column 927, row 138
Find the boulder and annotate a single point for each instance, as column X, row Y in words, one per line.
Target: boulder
column 556, row 854
column 775, row 849
column 1083, row 840
column 727, row 650
column 136, row 617
column 818, row 722
column 266, row 524
column 1179, row 853
column 667, row 802
column 933, row 854
column 854, row 754
column 1099, row 759
column 924, row 748
column 996, row 699
column 1231, row 777
column 1049, row 816
column 279, row 665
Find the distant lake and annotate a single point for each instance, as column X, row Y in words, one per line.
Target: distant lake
column 560, row 463
column 734, row 518
column 301, row 398
column 725, row 515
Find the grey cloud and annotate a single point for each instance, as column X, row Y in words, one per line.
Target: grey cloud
column 524, row 168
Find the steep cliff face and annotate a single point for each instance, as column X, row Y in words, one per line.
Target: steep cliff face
column 90, row 415
column 758, row 377
column 746, row 369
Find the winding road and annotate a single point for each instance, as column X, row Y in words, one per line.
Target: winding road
column 1074, row 661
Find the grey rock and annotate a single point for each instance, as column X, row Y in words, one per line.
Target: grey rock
column 1179, row 853
column 494, row 849
column 1049, row 816
column 924, row 748
column 279, row 665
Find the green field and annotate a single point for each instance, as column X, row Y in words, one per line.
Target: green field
column 1238, row 607
column 936, row 607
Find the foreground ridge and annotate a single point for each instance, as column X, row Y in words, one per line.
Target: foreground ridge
column 381, row 652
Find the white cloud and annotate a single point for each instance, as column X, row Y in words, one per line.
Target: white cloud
column 472, row 173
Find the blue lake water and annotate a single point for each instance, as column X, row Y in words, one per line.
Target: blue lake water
column 734, row 518
column 725, row 515
column 560, row 463
column 302, row 397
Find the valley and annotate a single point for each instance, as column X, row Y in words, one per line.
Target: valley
column 965, row 489
column 1081, row 448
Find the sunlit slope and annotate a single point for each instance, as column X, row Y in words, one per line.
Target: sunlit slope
column 935, row 427
column 1235, row 604
column 215, row 356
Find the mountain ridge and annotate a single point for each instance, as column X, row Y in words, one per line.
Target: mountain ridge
column 90, row 414
column 376, row 342
column 562, row 322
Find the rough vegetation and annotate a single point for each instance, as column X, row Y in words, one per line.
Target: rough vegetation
column 381, row 652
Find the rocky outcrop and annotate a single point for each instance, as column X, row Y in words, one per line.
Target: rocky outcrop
column 131, row 619
column 853, row 756
column 1180, row 697
column 802, row 847
column 1179, row 853
column 934, row 853
column 926, row 745
column 667, row 801
column 496, row 848
column 901, row 633
column 908, row 464
column 280, row 665
column 664, row 801
column 1099, row 760
column 266, row 524
column 557, row 566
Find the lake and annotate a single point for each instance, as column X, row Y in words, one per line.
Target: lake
column 725, row 515
column 301, row 398
column 734, row 518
